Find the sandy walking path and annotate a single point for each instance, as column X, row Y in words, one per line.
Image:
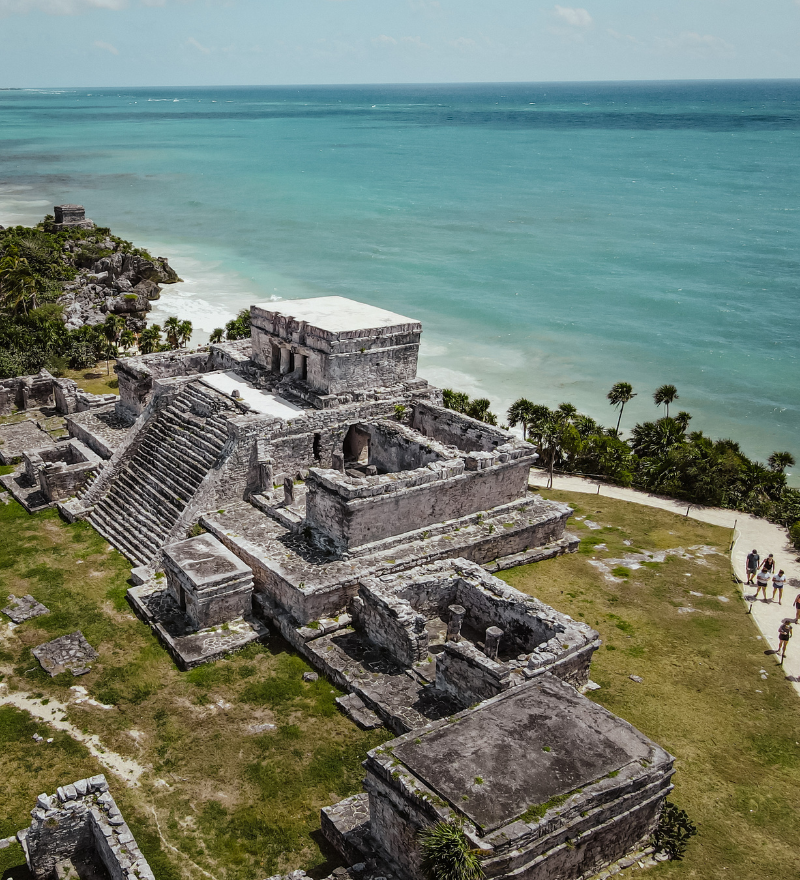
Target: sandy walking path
column 54, row 713
column 749, row 532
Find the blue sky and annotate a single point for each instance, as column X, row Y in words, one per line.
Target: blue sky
column 238, row 42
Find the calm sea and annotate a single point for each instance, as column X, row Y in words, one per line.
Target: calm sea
column 553, row 238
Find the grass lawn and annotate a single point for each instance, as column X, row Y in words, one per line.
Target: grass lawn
column 96, row 380
column 735, row 736
column 215, row 796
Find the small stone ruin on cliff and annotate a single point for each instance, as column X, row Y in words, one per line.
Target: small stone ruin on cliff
column 307, row 480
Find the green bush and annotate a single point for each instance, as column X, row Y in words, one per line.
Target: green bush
column 794, row 534
column 674, row 831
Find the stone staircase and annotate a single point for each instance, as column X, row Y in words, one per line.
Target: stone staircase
column 177, row 448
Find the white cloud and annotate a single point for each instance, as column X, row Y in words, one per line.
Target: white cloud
column 199, row 46
column 106, row 46
column 416, row 42
column 57, row 7
column 384, row 40
column 575, row 17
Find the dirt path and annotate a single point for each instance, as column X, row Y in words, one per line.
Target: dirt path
column 54, row 713
column 749, row 532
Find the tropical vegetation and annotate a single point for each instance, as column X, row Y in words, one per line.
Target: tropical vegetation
column 35, row 263
column 661, row 455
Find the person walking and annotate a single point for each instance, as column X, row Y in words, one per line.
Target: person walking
column 752, row 565
column 762, row 579
column 778, row 583
column 769, row 564
column 784, row 634
column 797, row 608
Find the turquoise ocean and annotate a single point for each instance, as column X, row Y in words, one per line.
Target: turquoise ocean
column 553, row 238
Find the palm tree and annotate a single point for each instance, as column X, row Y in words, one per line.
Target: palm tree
column 779, row 461
column 18, row 282
column 127, row 339
column 683, row 418
column 150, row 339
column 112, row 330
column 567, row 412
column 666, row 394
column 455, row 400
column 620, row 394
column 519, row 413
column 217, row 336
column 479, row 409
column 172, row 329
column 185, row 332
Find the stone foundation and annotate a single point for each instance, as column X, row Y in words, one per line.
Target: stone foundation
column 80, row 832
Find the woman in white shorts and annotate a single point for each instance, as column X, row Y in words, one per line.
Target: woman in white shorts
column 778, row 582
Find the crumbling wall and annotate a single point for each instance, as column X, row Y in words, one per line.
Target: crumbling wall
column 63, row 470
column 389, row 621
column 455, row 429
column 82, row 818
column 469, row 676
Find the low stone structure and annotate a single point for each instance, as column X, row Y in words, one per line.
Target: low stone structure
column 28, row 391
column 207, row 581
column 23, row 608
column 71, row 652
column 61, row 471
column 80, row 832
column 70, row 217
column 70, row 398
column 547, row 783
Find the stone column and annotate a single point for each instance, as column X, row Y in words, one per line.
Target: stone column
column 492, row 642
column 457, row 613
column 288, row 491
column 337, row 461
column 286, row 358
column 266, row 475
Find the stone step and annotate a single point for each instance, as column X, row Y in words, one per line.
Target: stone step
column 356, row 710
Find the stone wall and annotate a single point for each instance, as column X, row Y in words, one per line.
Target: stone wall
column 137, row 374
column 468, row 675
column 28, row 391
column 392, row 623
column 82, row 822
column 63, row 470
column 455, row 429
column 352, row 513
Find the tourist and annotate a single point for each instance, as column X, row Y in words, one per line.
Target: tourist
column 752, row 565
column 784, row 634
column 797, row 609
column 769, row 564
column 762, row 579
column 778, row 582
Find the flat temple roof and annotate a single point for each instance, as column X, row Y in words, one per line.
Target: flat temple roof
column 336, row 314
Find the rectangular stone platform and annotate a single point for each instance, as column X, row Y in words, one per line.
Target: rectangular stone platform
column 189, row 647
column 100, row 429
column 550, row 784
column 21, row 436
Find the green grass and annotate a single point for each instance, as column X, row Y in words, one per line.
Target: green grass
column 238, row 805
column 734, row 736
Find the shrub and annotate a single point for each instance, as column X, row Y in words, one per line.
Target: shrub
column 446, row 853
column 674, row 831
column 794, row 534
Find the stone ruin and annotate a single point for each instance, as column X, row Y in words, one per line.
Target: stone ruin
column 70, row 217
column 306, row 479
column 80, row 832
